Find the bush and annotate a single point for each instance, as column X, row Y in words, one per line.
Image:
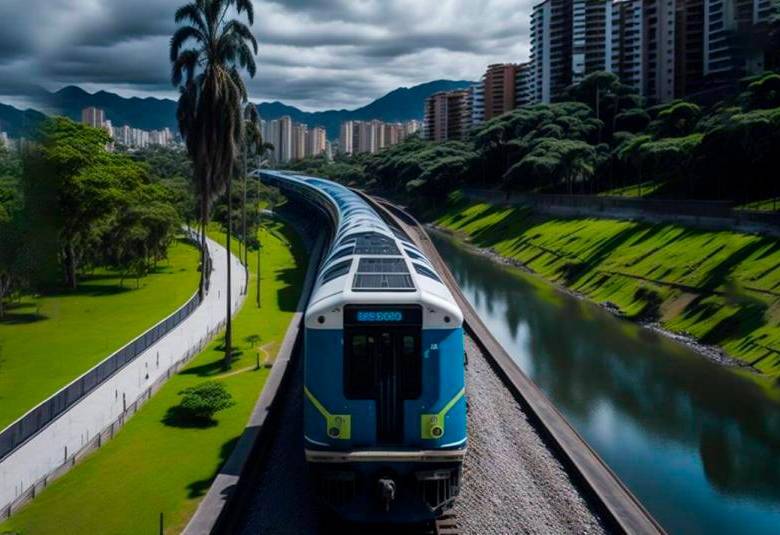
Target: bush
column 204, row 400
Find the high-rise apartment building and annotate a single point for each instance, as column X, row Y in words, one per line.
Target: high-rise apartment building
column 411, row 127
column 628, row 38
column 346, row 137
column 94, row 117
column 447, row 116
column 659, row 50
column 377, row 135
column 499, row 89
column 284, row 142
column 524, row 84
column 689, row 44
column 363, row 139
column 298, row 149
column 551, row 48
column 477, row 103
column 724, row 56
column 316, row 141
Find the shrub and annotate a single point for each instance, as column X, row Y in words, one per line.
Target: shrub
column 204, row 400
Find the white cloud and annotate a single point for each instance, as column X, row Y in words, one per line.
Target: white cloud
column 314, row 54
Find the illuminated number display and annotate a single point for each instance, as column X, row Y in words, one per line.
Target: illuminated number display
column 379, row 316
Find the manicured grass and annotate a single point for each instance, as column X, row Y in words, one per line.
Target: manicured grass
column 634, row 190
column 151, row 467
column 47, row 341
column 767, row 205
column 721, row 287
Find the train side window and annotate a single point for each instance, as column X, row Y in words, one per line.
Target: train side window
column 411, row 366
column 359, row 373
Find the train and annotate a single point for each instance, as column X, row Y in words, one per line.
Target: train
column 385, row 409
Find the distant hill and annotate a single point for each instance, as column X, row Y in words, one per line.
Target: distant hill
column 145, row 113
column 19, row 123
column 402, row 104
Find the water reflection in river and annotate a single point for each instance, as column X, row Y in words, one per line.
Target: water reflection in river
column 697, row 443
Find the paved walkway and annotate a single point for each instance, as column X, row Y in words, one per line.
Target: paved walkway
column 49, row 449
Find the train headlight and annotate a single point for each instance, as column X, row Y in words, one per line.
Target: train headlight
column 437, row 431
column 334, row 432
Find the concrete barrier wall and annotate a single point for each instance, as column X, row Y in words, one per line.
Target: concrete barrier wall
column 705, row 214
column 95, row 417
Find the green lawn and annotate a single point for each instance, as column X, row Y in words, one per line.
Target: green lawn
column 48, row 341
column 721, row 287
column 151, row 467
column 635, row 190
column 766, row 205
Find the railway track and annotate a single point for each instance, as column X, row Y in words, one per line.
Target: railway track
column 257, row 495
column 615, row 503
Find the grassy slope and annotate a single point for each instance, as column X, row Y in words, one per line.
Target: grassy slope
column 47, row 342
column 150, row 467
column 767, row 205
column 646, row 189
column 721, row 287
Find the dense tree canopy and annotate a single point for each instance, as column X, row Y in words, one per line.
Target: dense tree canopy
column 599, row 137
column 68, row 203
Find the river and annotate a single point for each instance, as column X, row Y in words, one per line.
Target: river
column 697, row 443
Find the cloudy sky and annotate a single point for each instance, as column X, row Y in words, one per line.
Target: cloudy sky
column 315, row 54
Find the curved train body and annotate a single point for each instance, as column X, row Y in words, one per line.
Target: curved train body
column 385, row 408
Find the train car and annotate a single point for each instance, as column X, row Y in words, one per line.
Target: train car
column 385, row 408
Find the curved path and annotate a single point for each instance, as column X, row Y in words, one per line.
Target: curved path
column 58, row 446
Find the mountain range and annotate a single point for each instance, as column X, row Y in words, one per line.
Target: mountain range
column 19, row 123
column 402, row 104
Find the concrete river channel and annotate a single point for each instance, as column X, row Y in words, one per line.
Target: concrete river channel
column 697, row 443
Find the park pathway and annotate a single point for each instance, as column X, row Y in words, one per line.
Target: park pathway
column 59, row 445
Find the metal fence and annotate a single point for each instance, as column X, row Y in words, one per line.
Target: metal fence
column 46, row 412
column 71, row 458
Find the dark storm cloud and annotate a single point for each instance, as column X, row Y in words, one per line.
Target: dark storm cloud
column 313, row 53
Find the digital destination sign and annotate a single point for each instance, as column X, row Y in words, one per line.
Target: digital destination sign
column 379, row 316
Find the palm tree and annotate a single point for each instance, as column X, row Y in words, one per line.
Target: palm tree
column 209, row 110
column 253, row 140
column 263, row 149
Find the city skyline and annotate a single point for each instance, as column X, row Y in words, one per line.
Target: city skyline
column 659, row 49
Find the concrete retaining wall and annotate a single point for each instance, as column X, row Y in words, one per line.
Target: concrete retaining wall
column 716, row 215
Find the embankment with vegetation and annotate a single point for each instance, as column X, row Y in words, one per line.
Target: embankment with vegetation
column 161, row 462
column 601, row 137
column 721, row 288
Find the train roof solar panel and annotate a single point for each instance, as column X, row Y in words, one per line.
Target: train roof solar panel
column 375, row 244
column 386, row 282
column 384, row 258
column 387, row 274
column 382, row 265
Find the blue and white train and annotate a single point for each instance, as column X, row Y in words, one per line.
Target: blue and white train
column 385, row 407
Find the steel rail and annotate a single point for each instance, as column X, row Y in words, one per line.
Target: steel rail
column 623, row 511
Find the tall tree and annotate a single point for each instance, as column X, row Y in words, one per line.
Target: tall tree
column 208, row 75
column 253, row 140
column 70, row 152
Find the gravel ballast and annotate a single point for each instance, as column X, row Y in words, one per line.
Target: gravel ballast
column 512, row 482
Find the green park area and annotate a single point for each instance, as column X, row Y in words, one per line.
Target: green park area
column 159, row 463
column 720, row 287
column 49, row 340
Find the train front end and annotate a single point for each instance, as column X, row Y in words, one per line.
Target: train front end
column 385, row 407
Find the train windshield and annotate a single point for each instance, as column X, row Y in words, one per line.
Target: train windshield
column 383, row 362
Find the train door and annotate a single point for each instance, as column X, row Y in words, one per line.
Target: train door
column 383, row 362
